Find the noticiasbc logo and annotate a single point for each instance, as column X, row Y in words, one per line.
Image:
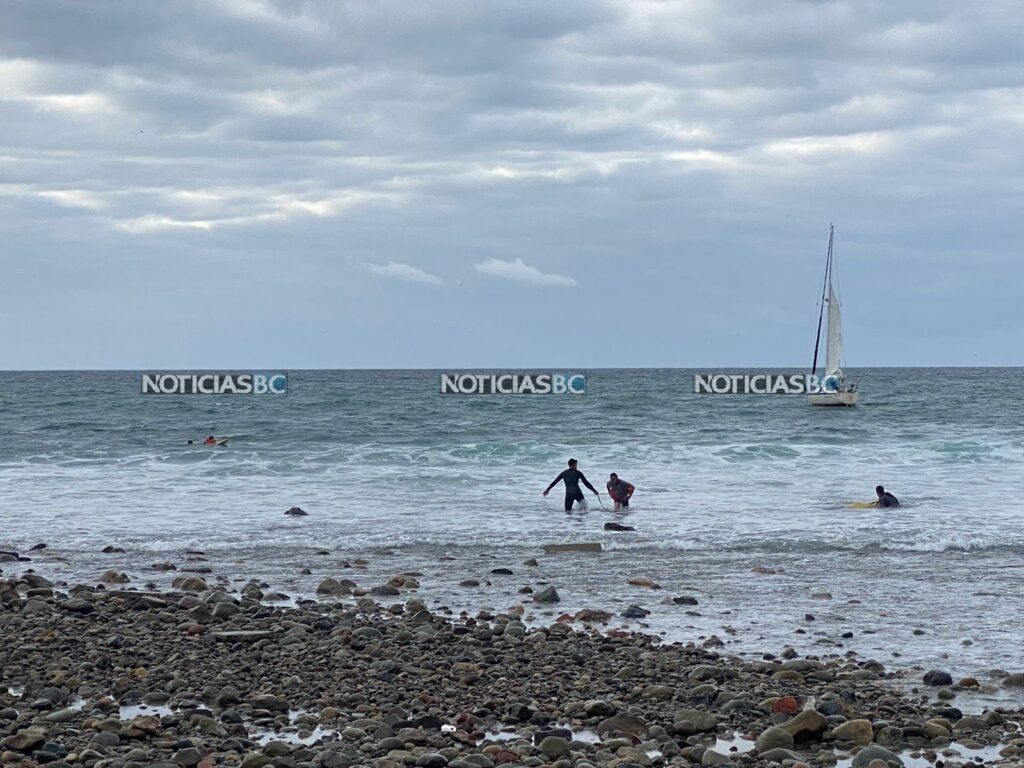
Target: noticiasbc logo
column 210, row 383
column 763, row 384
column 513, row 384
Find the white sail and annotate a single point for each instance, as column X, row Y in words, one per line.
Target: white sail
column 835, row 335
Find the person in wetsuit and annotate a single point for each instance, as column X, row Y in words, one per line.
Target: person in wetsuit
column 885, row 499
column 572, row 478
column 620, row 491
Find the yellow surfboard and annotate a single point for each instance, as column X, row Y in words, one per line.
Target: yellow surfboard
column 862, row 505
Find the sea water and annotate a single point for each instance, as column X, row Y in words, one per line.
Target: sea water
column 741, row 501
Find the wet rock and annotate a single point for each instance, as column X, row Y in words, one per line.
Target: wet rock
column 874, row 752
column 623, row 723
column 35, row 581
column 640, row 581
column 547, row 595
column 191, row 584
column 26, row 740
column 431, row 760
column 598, row 708
column 889, row 736
column 635, row 612
column 711, row 757
column 855, row 731
column 36, row 607
column 618, row 527
column 555, row 748
column 189, row 757
column 773, row 739
column 701, row 721
column 333, row 587
column 970, row 723
column 685, row 600
column 296, row 512
column 591, row 615
column 937, row 678
column 75, row 605
column 806, row 725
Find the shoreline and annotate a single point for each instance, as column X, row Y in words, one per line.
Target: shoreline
column 751, row 602
column 379, row 679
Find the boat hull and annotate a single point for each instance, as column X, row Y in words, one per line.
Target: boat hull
column 846, row 399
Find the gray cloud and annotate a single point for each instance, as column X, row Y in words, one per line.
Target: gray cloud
column 685, row 157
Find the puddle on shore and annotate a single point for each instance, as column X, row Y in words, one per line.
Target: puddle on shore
column 585, row 735
column 911, row 758
column 131, row 711
column 737, row 744
column 263, row 736
column 955, row 751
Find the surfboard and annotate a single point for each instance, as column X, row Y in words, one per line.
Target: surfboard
column 862, row 505
column 222, row 441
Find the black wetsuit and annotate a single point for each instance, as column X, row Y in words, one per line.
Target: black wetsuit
column 572, row 478
column 619, row 491
column 888, row 500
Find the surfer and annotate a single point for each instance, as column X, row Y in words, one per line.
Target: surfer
column 620, row 491
column 885, row 499
column 210, row 440
column 572, row 478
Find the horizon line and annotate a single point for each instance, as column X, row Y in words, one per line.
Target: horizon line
column 247, row 369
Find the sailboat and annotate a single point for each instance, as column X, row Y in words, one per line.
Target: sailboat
column 835, row 389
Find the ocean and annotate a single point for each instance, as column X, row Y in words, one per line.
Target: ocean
column 741, row 501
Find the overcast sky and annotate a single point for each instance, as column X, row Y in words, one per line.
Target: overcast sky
column 258, row 184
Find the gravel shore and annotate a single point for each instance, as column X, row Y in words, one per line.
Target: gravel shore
column 106, row 676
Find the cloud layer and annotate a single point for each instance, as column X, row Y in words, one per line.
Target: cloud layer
column 679, row 160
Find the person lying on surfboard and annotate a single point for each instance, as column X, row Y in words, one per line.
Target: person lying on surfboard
column 885, row 499
column 572, row 478
column 620, row 491
column 210, row 440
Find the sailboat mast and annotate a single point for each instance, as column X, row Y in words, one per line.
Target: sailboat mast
column 821, row 311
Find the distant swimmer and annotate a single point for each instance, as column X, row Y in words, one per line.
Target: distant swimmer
column 572, row 478
column 620, row 491
column 885, row 499
column 211, row 440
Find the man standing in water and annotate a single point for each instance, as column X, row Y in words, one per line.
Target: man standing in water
column 572, row 478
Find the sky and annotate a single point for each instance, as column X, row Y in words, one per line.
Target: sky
column 219, row 184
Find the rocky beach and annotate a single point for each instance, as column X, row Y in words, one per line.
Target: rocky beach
column 115, row 674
